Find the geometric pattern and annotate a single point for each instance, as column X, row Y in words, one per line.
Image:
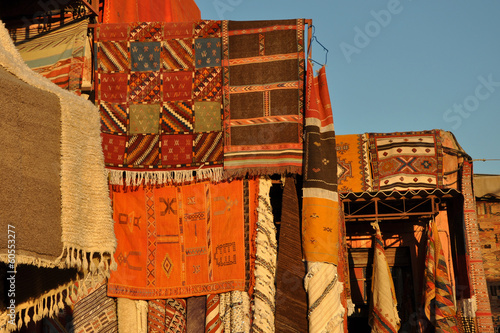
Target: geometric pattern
column 208, row 147
column 113, row 117
column 113, row 147
column 145, row 87
column 207, row 29
column 207, row 52
column 406, row 160
column 208, row 84
column 112, row 56
column 145, row 56
column 150, row 91
column 142, row 149
column 177, row 117
column 177, row 86
column 146, row 31
column 177, row 54
column 144, row 118
column 177, row 149
column 208, row 116
column 178, row 217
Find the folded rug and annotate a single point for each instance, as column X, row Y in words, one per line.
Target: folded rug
column 167, row 315
column 57, row 210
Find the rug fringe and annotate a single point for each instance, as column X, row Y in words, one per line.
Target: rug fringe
column 50, row 303
column 242, row 172
column 160, row 177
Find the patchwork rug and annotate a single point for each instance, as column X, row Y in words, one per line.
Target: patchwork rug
column 182, row 241
column 353, row 163
column 406, row 160
column 59, row 54
column 159, row 91
column 263, row 66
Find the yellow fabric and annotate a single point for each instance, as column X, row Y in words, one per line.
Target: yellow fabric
column 320, row 232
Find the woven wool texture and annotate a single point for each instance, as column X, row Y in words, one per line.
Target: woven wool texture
column 181, row 241
column 58, row 55
column 86, row 226
column 406, row 160
column 159, row 92
column 383, row 316
column 263, row 67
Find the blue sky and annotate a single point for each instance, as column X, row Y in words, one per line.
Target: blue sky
column 406, row 65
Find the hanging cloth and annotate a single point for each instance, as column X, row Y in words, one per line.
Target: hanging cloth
column 438, row 295
column 383, row 317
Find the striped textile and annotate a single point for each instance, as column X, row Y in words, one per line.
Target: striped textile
column 263, row 69
column 320, row 206
column 213, row 322
column 59, row 55
column 383, row 316
column 291, row 297
column 167, row 315
column 326, row 313
column 438, row 295
column 95, row 313
column 406, row 160
column 265, row 263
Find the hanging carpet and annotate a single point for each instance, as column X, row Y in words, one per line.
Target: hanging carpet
column 263, row 63
column 182, row 241
column 406, row 160
column 159, row 91
column 353, row 163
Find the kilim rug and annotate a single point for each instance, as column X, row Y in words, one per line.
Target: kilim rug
column 406, row 160
column 439, row 306
column 263, row 64
column 58, row 54
column 181, row 241
column 159, row 91
column 483, row 318
column 291, row 298
column 353, row 163
column 167, row 315
column 62, row 159
column 320, row 207
column 383, row 316
column 95, row 313
column 213, row 321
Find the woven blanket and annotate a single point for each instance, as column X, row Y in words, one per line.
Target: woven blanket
column 353, row 163
column 265, row 263
column 320, row 207
column 406, row 160
column 159, row 91
column 383, row 316
column 59, row 55
column 132, row 315
column 263, row 64
column 438, row 294
column 72, row 170
column 181, row 241
column 213, row 321
column 167, row 315
column 291, row 298
column 95, row 313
